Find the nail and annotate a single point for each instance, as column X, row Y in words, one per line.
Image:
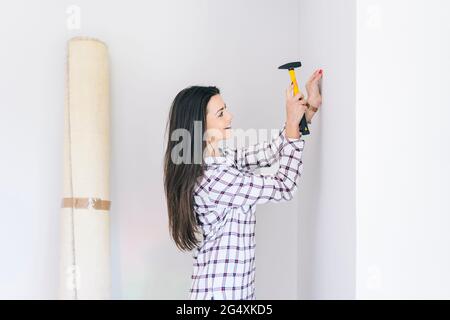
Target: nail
column 320, row 71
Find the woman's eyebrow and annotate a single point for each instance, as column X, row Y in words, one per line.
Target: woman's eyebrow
column 225, row 105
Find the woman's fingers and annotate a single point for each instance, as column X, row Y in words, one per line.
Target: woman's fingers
column 290, row 91
column 299, row 96
column 290, row 94
column 313, row 75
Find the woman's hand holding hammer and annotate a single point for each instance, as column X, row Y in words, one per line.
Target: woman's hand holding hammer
column 295, row 109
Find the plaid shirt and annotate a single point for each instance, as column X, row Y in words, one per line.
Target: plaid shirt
column 224, row 204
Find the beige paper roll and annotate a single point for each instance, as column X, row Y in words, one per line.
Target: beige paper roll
column 85, row 246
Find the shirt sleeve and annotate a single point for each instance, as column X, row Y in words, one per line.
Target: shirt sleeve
column 259, row 155
column 232, row 187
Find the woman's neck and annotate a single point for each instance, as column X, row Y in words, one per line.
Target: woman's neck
column 212, row 149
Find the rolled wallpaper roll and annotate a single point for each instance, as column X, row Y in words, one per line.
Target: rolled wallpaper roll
column 85, row 246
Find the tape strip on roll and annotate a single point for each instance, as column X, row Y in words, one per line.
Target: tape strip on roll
column 86, row 203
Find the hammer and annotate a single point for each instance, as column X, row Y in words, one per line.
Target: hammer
column 291, row 66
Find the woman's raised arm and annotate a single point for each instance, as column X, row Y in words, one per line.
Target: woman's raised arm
column 230, row 187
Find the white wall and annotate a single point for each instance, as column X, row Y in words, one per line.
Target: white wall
column 374, row 212
column 403, row 149
column 156, row 49
column 327, row 200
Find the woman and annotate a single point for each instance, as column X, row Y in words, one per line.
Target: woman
column 214, row 191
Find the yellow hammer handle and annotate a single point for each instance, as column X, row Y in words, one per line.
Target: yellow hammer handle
column 303, row 123
column 294, row 80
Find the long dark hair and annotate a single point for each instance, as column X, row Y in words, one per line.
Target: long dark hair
column 188, row 107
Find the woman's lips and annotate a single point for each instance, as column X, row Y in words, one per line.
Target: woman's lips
column 228, row 128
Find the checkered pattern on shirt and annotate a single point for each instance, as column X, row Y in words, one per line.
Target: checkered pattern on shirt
column 224, row 203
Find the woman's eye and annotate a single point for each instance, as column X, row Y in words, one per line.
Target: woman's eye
column 221, row 114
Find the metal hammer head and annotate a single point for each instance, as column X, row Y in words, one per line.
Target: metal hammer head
column 291, row 65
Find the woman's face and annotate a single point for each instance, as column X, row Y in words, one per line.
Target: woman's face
column 218, row 119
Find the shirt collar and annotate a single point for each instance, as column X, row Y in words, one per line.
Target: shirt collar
column 215, row 160
column 220, row 159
